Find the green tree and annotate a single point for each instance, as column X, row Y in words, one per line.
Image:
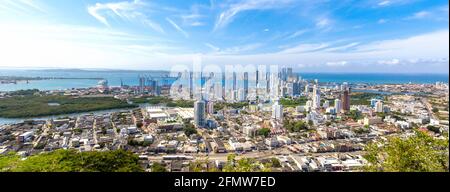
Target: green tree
column 189, row 129
column 418, row 153
column 435, row 110
column 264, row 132
column 158, row 167
column 244, row 165
column 295, row 126
column 202, row 165
column 73, row 161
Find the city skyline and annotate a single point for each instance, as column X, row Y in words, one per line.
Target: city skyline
column 350, row 36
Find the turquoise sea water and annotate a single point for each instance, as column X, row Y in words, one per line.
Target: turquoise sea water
column 131, row 78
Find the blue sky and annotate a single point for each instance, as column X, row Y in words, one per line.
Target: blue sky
column 409, row 36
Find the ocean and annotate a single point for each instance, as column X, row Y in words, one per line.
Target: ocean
column 132, row 78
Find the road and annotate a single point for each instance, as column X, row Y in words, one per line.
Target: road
column 254, row 155
column 429, row 108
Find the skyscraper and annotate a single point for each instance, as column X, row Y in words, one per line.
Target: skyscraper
column 246, row 83
column 379, row 107
column 277, row 111
column 199, row 113
column 289, row 73
column 296, row 88
column 283, row 74
column 210, row 107
column 257, row 78
column 141, row 84
column 316, row 97
column 190, row 82
column 234, row 81
column 307, row 89
column 218, row 91
column 345, row 97
column 268, row 83
column 241, row 96
column 338, row 105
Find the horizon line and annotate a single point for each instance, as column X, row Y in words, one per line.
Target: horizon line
column 162, row 70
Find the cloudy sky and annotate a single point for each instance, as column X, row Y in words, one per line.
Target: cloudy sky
column 402, row 36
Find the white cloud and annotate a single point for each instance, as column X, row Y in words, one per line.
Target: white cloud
column 194, row 17
column 304, row 48
column 75, row 46
column 384, row 3
column 436, row 13
column 420, row 15
column 342, row 47
column 227, row 16
column 433, row 44
column 125, row 10
column 382, row 21
column 236, row 50
column 323, row 22
column 178, row 28
column 297, row 33
column 21, row 6
column 389, row 62
column 337, row 64
column 214, row 48
column 266, row 30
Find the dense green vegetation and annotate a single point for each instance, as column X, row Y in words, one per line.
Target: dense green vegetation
column 36, row 106
column 72, row 161
column 355, row 115
column 158, row 167
column 364, row 98
column 264, row 132
column 295, row 126
column 189, row 129
column 201, row 165
column 238, row 105
column 245, row 165
column 293, row 102
column 418, row 153
column 28, row 92
column 181, row 103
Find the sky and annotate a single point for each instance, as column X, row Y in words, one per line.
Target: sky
column 386, row 36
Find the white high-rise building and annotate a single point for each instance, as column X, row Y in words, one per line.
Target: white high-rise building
column 199, row 113
column 210, row 107
column 277, row 111
column 379, row 107
column 338, row 105
column 218, row 89
column 307, row 89
column 274, row 86
column 316, row 97
column 242, row 96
